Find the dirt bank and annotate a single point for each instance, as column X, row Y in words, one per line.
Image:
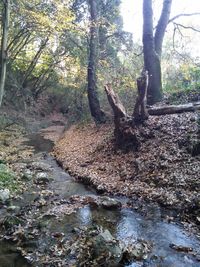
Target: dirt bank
column 162, row 171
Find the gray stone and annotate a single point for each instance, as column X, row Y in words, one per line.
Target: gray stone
column 97, row 247
column 42, row 178
column 4, row 195
column 138, row 251
column 40, row 166
column 106, row 245
column 27, row 174
column 100, row 189
column 109, row 203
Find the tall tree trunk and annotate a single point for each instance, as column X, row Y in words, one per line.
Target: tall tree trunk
column 152, row 46
column 161, row 26
column 151, row 59
column 4, row 43
column 94, row 104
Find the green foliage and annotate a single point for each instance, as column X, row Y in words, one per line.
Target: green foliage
column 60, row 67
column 35, row 49
column 7, row 178
column 184, row 78
column 48, row 55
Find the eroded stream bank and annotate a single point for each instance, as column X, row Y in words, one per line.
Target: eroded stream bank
column 57, row 218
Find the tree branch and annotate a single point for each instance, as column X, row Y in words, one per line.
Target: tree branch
column 183, row 15
column 162, row 25
column 186, row 27
column 16, row 38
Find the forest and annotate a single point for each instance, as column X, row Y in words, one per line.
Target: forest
column 99, row 133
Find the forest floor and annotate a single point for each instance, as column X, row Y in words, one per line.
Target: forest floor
column 48, row 212
column 165, row 170
column 44, row 199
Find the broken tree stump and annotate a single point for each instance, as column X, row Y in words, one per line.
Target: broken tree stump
column 128, row 134
column 140, row 113
column 125, row 134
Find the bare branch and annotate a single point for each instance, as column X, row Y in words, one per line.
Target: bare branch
column 177, row 29
column 187, row 27
column 183, row 15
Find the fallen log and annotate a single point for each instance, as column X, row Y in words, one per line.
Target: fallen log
column 173, row 109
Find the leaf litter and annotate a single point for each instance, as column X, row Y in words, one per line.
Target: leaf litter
column 163, row 171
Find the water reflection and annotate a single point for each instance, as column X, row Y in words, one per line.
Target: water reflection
column 132, row 226
column 39, row 143
column 9, row 256
column 129, row 226
column 85, row 216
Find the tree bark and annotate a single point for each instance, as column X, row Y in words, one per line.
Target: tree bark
column 4, row 43
column 114, row 101
column 161, row 26
column 173, row 109
column 152, row 47
column 140, row 112
column 151, row 59
column 94, row 104
column 125, row 135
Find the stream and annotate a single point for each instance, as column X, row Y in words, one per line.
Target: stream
column 124, row 224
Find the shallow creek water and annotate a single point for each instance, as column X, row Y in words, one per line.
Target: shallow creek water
column 125, row 224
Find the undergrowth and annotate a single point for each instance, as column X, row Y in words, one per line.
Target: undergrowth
column 7, row 178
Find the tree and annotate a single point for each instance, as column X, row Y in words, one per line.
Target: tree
column 35, row 47
column 94, row 104
column 152, row 47
column 127, row 133
column 4, row 43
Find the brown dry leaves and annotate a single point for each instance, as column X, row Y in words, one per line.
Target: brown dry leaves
column 162, row 170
